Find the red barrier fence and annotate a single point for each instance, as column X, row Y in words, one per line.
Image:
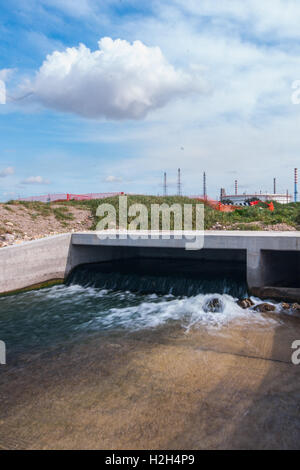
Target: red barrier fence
column 83, row 197
column 68, row 197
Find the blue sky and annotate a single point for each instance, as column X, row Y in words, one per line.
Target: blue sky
column 199, row 85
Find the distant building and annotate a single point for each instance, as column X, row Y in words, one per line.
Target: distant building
column 241, row 199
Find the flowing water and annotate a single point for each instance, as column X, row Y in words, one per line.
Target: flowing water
column 134, row 346
column 99, row 300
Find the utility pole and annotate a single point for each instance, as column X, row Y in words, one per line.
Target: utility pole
column 165, row 184
column 204, row 185
column 179, row 183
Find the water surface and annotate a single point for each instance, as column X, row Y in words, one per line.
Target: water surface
column 143, row 360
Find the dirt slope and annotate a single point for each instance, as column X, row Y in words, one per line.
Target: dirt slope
column 20, row 223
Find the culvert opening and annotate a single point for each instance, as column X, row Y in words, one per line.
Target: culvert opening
column 281, row 268
column 214, row 271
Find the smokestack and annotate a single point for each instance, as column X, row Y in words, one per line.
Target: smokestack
column 222, row 194
column 296, row 184
column 274, row 186
column 179, row 183
column 204, row 185
column 236, row 187
column 165, row 184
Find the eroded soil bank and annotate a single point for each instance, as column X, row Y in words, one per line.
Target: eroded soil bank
column 24, row 222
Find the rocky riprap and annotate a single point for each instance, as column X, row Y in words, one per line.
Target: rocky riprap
column 266, row 307
column 245, row 303
column 213, row 305
column 295, row 308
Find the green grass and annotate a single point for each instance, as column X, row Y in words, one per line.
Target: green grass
column 41, row 209
column 145, row 200
column 288, row 214
column 37, row 208
column 63, row 214
column 239, row 219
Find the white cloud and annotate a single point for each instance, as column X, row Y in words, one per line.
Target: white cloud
column 118, row 81
column 7, row 172
column 5, row 73
column 2, row 92
column 113, row 179
column 278, row 18
column 3, row 76
column 35, row 180
column 250, row 51
column 71, row 7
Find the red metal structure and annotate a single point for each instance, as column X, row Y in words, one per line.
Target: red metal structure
column 231, row 208
column 269, row 204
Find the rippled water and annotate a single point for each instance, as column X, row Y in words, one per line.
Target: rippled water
column 146, row 360
column 96, row 302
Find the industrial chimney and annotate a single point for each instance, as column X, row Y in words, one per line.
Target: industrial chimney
column 204, row 186
column 236, row 187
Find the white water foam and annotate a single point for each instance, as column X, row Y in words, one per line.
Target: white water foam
column 155, row 311
column 98, row 309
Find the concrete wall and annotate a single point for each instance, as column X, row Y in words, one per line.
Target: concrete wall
column 96, row 254
column 271, row 259
column 34, row 262
column 262, row 269
column 47, row 259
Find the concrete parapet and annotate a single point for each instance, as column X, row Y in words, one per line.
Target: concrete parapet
column 270, row 258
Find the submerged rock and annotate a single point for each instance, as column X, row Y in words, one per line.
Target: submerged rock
column 265, row 308
column 245, row 303
column 296, row 308
column 285, row 306
column 213, row 305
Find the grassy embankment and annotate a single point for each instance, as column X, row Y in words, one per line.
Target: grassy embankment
column 37, row 209
column 245, row 218
column 25, row 221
